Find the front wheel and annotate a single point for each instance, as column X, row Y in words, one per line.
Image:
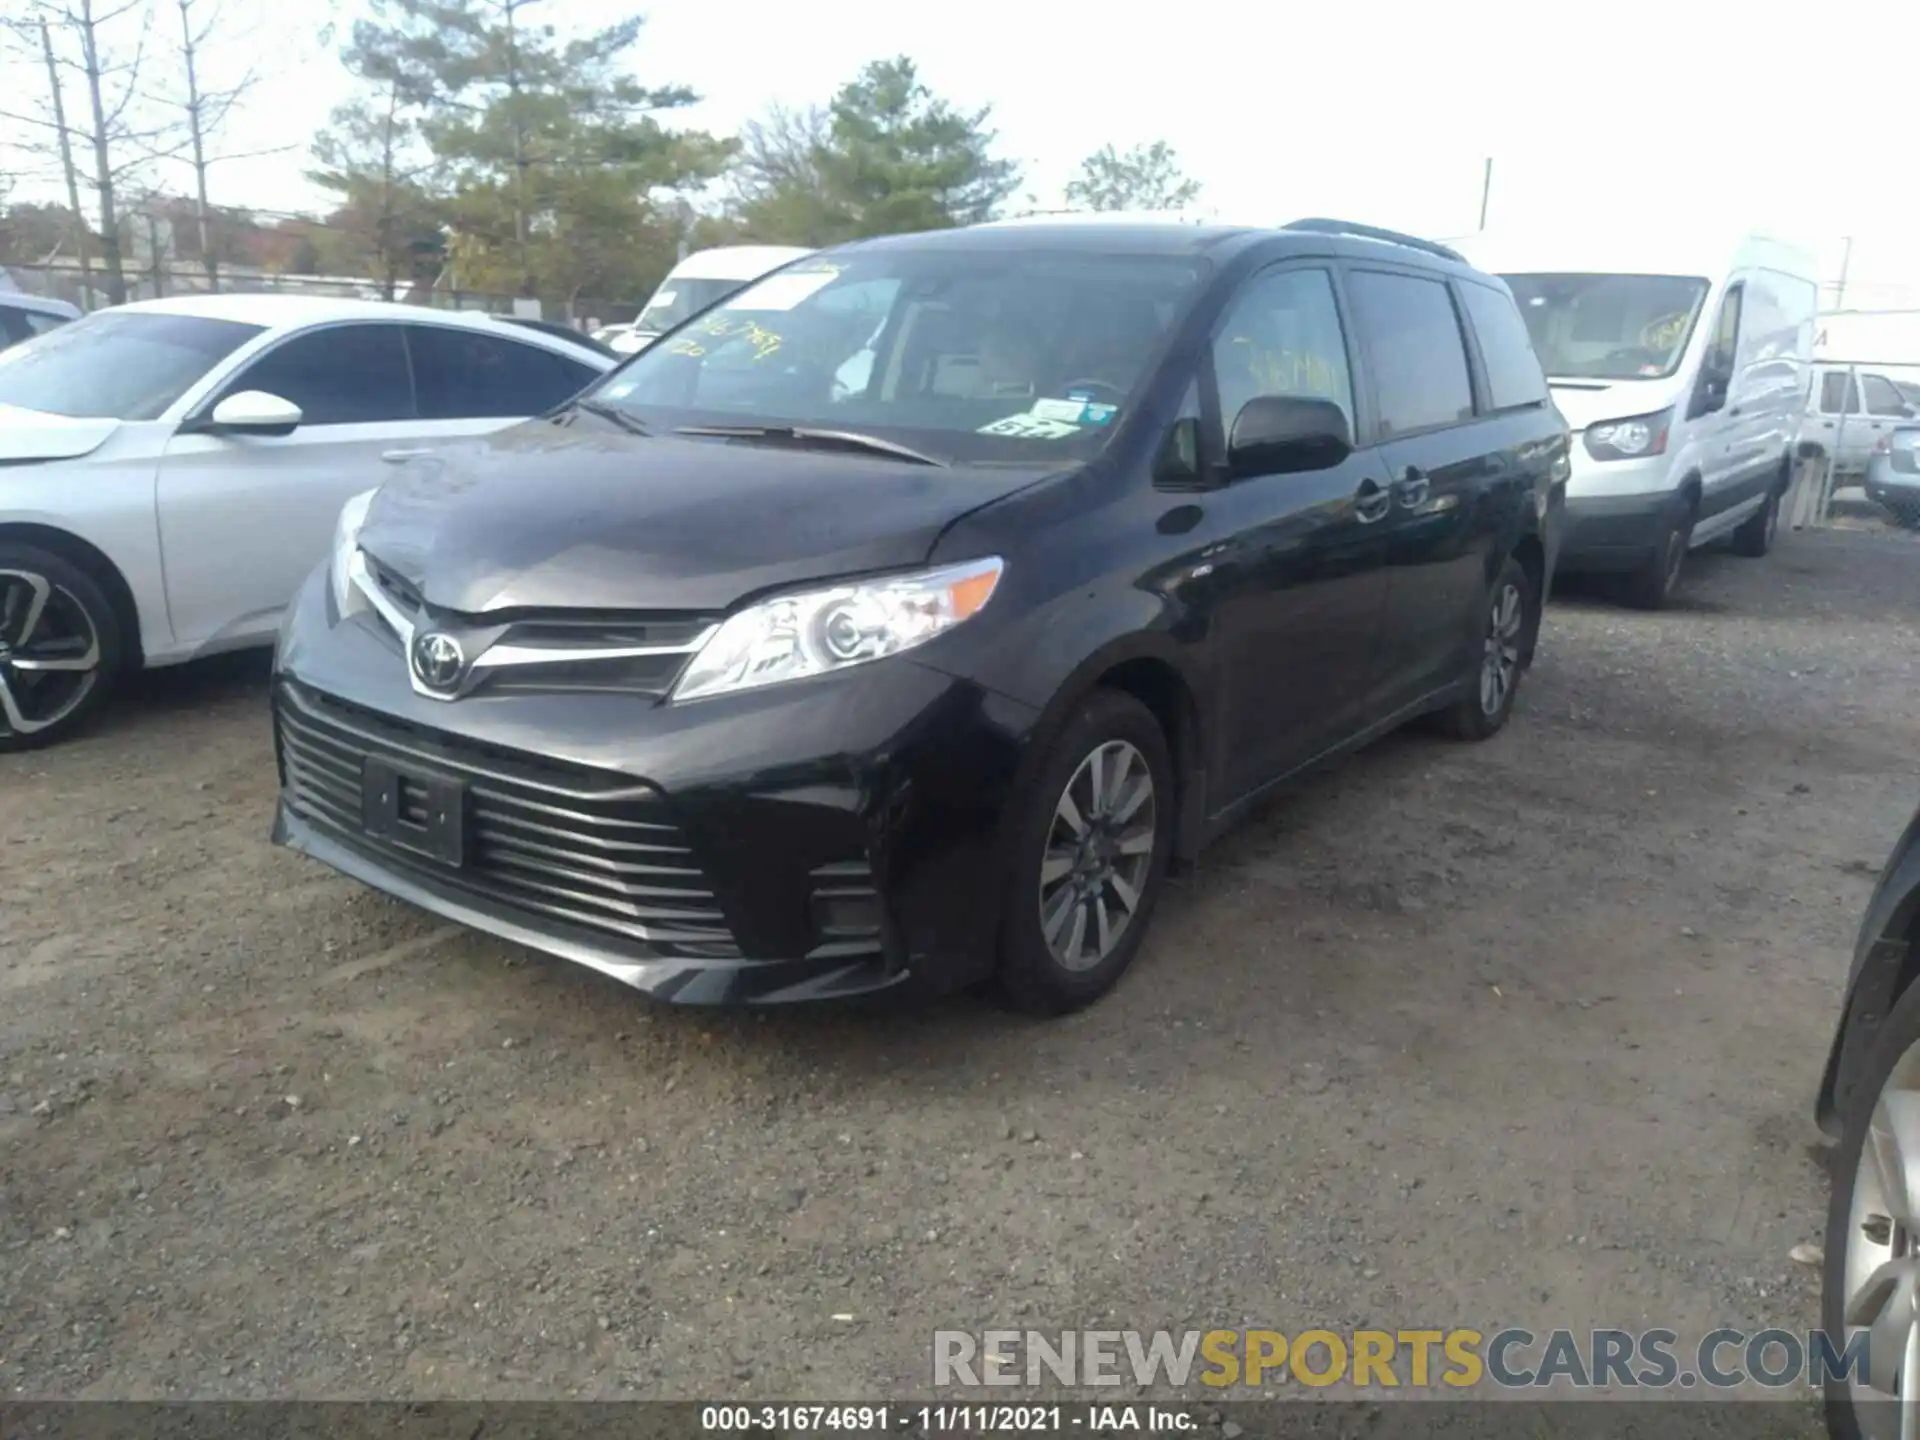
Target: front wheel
column 1512, row 610
column 1092, row 841
column 59, row 647
column 1871, row 1280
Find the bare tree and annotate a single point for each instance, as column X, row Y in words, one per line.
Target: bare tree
column 206, row 110
column 65, row 141
column 103, row 43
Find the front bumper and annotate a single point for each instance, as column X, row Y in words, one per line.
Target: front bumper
column 1604, row 533
column 820, row 839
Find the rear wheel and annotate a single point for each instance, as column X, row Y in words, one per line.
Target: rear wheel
column 60, row 647
column 1756, row 534
column 1654, row 584
column 1093, row 838
column 1512, row 611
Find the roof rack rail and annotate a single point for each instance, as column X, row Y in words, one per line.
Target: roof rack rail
column 1320, row 226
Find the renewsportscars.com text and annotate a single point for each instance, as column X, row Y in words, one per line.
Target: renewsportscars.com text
column 1458, row 1359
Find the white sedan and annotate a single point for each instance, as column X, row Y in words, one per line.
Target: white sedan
column 171, row 470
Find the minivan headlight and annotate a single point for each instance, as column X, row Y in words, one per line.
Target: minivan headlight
column 1630, row 439
column 813, row 632
column 347, row 599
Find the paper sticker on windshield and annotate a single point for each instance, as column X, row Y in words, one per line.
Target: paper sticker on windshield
column 1075, row 410
column 662, row 297
column 1031, row 426
column 781, row 292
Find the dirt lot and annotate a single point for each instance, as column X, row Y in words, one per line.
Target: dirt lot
column 1524, row 1033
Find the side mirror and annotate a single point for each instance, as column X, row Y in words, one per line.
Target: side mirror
column 1709, row 395
column 1284, row 434
column 254, row 412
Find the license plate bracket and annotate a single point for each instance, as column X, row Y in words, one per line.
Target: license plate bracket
column 414, row 809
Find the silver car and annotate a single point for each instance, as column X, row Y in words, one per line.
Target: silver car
column 171, row 470
column 1893, row 475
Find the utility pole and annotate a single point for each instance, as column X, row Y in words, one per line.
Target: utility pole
column 1846, row 258
column 1486, row 191
column 66, row 164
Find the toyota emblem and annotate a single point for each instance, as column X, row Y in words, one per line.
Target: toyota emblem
column 438, row 661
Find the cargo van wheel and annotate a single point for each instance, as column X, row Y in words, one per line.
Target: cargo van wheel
column 1756, row 534
column 1653, row 585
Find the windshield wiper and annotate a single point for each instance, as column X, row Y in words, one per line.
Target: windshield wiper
column 611, row 412
column 806, row 435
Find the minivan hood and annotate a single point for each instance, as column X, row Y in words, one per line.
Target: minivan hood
column 546, row 518
column 37, row 435
column 1586, row 402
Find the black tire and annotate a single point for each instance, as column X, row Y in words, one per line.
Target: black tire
column 1893, row 1039
column 1756, row 534
column 1030, row 976
column 1654, row 584
column 1482, row 711
column 70, row 601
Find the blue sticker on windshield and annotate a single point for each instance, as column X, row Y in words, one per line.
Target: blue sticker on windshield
column 1099, row 414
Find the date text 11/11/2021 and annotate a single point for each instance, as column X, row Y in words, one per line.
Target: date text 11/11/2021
column 974, row 1419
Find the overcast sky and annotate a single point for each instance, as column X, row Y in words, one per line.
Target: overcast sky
column 1683, row 116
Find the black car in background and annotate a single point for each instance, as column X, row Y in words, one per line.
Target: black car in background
column 897, row 622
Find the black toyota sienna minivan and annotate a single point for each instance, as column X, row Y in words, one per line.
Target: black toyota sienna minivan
column 896, row 623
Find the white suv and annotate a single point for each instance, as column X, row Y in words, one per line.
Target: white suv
column 1849, row 411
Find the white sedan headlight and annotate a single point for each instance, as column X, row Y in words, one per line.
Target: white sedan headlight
column 347, row 599
column 813, row 632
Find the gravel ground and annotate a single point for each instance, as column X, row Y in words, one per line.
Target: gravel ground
column 1520, row 1033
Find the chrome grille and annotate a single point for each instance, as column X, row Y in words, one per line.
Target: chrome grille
column 586, row 847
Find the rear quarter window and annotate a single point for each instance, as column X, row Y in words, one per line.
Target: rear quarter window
column 1514, row 376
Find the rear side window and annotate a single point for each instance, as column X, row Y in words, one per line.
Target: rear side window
column 1414, row 344
column 1514, row 377
column 340, row 375
column 464, row 375
column 1882, row 396
column 38, row 322
column 1837, row 394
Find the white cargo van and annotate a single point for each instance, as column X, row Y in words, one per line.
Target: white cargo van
column 1684, row 370
column 704, row 277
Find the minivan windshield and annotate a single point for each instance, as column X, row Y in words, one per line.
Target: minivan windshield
column 678, row 298
column 117, row 364
column 1609, row 327
column 972, row 355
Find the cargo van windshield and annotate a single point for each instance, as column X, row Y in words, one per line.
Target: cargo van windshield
column 1609, row 327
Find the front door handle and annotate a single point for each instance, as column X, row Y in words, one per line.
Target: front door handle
column 1412, row 491
column 400, row 457
column 1371, row 501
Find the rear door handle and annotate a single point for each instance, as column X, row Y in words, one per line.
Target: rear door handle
column 1413, row 489
column 1371, row 501
column 400, row 457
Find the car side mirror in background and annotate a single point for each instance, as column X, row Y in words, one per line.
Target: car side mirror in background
column 253, row 412
column 1282, row 434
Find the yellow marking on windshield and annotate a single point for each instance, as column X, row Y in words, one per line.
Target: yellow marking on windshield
column 764, row 341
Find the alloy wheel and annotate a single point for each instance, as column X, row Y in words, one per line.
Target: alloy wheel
column 1098, row 855
column 1500, row 662
column 49, row 653
column 1881, row 1268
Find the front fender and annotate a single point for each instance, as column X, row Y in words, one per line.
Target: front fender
column 1884, row 962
